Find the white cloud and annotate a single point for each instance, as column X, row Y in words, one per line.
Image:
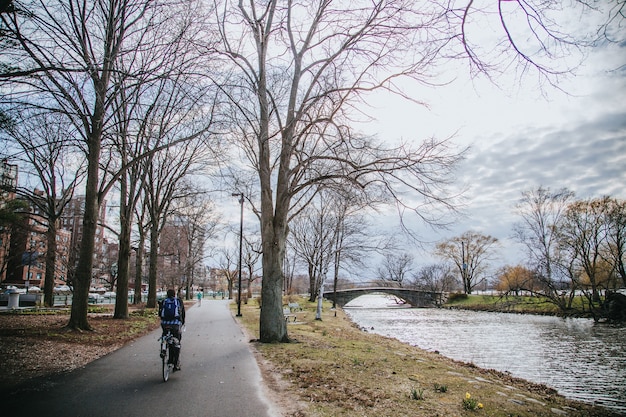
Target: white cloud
column 521, row 141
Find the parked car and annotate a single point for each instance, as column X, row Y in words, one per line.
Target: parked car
column 62, row 288
column 95, row 298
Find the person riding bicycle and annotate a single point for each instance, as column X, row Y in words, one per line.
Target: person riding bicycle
column 172, row 313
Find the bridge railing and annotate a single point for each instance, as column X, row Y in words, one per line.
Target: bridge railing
column 362, row 284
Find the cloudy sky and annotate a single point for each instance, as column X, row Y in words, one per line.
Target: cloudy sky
column 522, row 139
column 519, row 137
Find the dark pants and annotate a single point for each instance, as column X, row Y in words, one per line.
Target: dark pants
column 175, row 330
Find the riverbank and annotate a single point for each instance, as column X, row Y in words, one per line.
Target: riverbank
column 335, row 369
column 537, row 305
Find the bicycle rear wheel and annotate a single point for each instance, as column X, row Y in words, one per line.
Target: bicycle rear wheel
column 167, row 367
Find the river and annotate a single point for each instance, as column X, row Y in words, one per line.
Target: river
column 581, row 359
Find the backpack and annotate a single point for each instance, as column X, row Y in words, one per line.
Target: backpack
column 170, row 310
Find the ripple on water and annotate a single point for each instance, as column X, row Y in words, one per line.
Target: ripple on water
column 582, row 360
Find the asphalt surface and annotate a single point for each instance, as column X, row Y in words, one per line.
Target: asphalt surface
column 219, row 378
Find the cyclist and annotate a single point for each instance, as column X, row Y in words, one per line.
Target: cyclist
column 172, row 313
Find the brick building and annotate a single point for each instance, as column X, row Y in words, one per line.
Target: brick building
column 8, row 183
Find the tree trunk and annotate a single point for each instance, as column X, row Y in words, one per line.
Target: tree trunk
column 231, row 281
column 273, row 327
column 312, row 281
column 48, row 287
column 82, row 277
column 123, row 270
column 249, row 287
column 336, row 273
column 138, row 272
column 152, row 271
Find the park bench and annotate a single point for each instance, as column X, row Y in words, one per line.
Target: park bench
column 288, row 315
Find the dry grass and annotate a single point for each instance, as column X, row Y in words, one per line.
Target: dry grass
column 38, row 344
column 335, row 369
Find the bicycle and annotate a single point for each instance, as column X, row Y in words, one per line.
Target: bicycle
column 168, row 344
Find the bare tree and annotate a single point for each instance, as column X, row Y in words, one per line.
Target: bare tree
column 300, row 68
column 228, row 264
column 289, row 268
column 44, row 146
column 616, row 236
column 470, row 253
column 395, row 269
column 435, row 277
column 542, row 211
column 583, row 237
column 168, row 181
column 79, row 59
column 352, row 239
column 312, row 239
column 251, row 257
column 196, row 215
column 166, row 108
column 330, row 233
column 64, row 59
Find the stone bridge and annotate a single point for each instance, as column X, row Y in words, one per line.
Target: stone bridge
column 416, row 298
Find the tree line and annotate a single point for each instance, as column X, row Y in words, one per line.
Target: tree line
column 575, row 248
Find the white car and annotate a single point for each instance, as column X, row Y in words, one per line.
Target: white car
column 95, row 298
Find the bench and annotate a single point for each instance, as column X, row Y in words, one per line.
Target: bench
column 294, row 307
column 288, row 315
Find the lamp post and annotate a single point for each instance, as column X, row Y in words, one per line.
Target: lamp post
column 464, row 268
column 240, row 195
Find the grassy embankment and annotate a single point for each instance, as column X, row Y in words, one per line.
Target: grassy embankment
column 513, row 304
column 335, row 369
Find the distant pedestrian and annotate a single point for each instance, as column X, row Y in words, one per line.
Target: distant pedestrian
column 199, row 295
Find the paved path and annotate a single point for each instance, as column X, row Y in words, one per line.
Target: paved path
column 219, row 377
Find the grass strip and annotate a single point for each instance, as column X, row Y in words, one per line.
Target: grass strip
column 332, row 368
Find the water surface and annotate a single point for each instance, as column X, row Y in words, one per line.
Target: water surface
column 581, row 359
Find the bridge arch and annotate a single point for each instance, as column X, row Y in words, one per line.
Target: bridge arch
column 416, row 298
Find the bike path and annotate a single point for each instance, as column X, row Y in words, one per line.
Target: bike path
column 219, row 378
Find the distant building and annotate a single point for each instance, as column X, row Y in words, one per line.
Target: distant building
column 8, row 183
column 218, row 280
column 105, row 265
column 26, row 265
column 23, row 248
column 173, row 259
column 27, row 248
column 64, row 237
column 72, row 220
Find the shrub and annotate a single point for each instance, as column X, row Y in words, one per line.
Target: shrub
column 457, row 296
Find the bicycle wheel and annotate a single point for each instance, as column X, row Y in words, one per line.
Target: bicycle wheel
column 165, row 355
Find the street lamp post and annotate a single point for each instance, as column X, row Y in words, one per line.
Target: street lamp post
column 464, row 268
column 240, row 195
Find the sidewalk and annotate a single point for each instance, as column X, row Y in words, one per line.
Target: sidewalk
column 219, row 377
